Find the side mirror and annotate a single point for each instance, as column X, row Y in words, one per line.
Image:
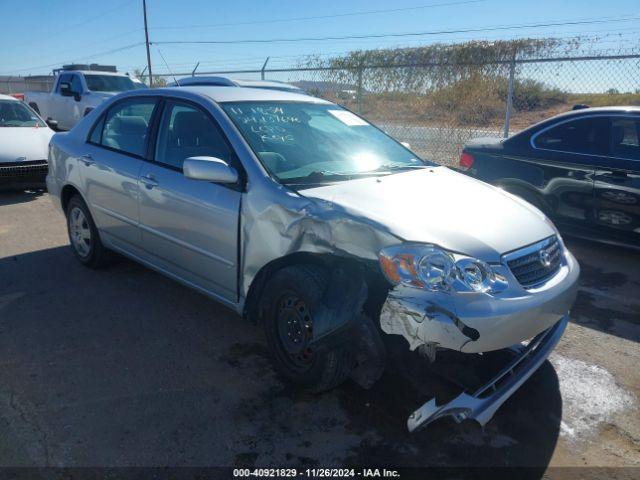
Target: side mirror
column 53, row 124
column 76, row 96
column 406, row 145
column 209, row 168
column 65, row 89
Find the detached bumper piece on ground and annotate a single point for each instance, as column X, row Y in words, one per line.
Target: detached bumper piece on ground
column 483, row 403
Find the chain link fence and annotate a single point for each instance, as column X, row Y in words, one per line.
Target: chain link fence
column 10, row 84
column 438, row 106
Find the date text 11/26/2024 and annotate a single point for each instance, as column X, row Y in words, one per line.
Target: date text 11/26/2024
column 316, row 473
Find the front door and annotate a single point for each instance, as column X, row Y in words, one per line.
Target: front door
column 190, row 227
column 60, row 104
column 617, row 183
column 110, row 169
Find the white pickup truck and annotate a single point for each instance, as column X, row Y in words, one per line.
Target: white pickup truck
column 76, row 92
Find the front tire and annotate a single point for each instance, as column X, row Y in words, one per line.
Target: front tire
column 83, row 235
column 292, row 297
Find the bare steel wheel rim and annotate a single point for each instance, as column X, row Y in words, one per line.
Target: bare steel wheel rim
column 295, row 331
column 79, row 231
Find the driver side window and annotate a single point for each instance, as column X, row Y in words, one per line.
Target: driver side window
column 76, row 84
column 186, row 131
column 64, row 78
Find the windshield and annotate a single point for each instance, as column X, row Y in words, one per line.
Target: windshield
column 305, row 142
column 16, row 114
column 108, row 83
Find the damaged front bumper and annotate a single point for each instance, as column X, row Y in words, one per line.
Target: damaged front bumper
column 483, row 403
column 480, row 322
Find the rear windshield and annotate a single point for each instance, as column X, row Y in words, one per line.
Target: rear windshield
column 108, row 83
column 16, row 114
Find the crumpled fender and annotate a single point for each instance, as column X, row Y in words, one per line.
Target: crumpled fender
column 272, row 229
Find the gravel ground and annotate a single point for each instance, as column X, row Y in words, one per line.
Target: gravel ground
column 124, row 367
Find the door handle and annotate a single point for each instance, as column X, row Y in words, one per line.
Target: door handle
column 149, row 181
column 617, row 177
column 87, row 159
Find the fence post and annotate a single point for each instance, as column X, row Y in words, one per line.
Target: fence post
column 264, row 66
column 359, row 88
column 507, row 119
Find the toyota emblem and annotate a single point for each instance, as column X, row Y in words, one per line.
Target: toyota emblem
column 545, row 258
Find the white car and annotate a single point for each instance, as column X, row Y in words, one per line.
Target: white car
column 76, row 92
column 24, row 142
column 229, row 82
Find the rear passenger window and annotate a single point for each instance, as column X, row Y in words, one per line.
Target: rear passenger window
column 96, row 133
column 126, row 127
column 586, row 135
column 186, row 131
column 625, row 138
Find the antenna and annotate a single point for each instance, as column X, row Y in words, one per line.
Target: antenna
column 169, row 69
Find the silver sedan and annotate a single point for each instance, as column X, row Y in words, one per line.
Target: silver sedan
column 304, row 217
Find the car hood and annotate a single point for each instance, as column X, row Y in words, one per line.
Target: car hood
column 441, row 207
column 18, row 144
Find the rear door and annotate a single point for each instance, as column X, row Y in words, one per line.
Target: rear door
column 190, row 227
column 617, row 182
column 110, row 166
column 566, row 155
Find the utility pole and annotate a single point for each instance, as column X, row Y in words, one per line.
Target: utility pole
column 146, row 35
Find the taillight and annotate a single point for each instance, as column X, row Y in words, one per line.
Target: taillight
column 466, row 161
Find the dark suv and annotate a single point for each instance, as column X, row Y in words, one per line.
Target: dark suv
column 581, row 168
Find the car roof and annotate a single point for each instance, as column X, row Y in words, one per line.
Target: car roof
column 591, row 110
column 233, row 82
column 581, row 112
column 246, row 94
column 94, row 72
column 267, row 84
column 8, row 97
column 214, row 81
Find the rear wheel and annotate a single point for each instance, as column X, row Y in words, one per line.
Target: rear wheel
column 294, row 295
column 83, row 235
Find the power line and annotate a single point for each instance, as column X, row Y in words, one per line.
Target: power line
column 283, row 61
column 107, row 52
column 289, row 60
column 99, row 42
column 394, row 35
column 320, row 17
column 93, row 18
column 76, row 25
column 556, row 35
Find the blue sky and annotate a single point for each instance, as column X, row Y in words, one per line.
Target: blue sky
column 40, row 34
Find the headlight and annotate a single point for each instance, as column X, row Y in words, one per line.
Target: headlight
column 435, row 269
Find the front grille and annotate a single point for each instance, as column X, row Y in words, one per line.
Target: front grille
column 23, row 169
column 536, row 263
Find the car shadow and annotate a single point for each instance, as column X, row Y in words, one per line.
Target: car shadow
column 523, row 433
column 11, row 195
column 609, row 278
column 124, row 366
